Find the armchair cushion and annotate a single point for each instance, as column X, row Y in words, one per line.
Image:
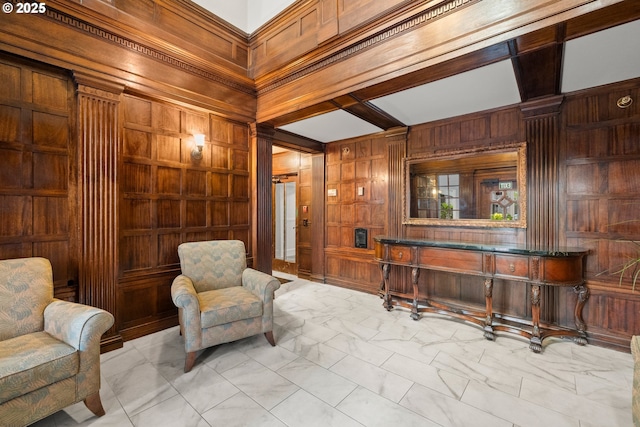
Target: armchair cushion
column 32, row 361
column 22, row 304
column 213, row 265
column 228, row 305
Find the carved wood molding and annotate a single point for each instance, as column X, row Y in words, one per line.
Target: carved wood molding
column 139, row 48
column 410, row 24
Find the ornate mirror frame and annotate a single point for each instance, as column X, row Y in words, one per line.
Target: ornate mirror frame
column 521, row 173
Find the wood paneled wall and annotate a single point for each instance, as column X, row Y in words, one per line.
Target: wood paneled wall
column 38, row 169
column 168, row 197
column 599, row 163
column 362, row 163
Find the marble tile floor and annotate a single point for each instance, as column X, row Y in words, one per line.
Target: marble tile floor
column 342, row 360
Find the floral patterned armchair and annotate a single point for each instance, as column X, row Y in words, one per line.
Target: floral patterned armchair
column 49, row 349
column 219, row 299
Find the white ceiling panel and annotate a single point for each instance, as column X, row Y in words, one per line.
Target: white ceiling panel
column 248, row 15
column 484, row 88
column 601, row 58
column 332, row 126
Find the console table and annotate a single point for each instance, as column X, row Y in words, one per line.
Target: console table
column 536, row 267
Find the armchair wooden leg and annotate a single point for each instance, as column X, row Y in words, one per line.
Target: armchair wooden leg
column 93, row 403
column 190, row 361
column 270, row 338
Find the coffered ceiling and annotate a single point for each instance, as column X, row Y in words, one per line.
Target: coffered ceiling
column 596, row 59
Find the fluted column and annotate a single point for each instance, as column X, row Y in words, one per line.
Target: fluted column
column 318, row 228
column 98, row 150
column 262, row 216
column 542, row 121
column 397, row 152
column 397, row 147
column 542, row 124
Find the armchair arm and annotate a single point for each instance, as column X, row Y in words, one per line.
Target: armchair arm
column 185, row 297
column 78, row 325
column 183, row 293
column 261, row 284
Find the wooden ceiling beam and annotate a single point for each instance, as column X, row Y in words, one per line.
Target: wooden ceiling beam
column 289, row 140
column 367, row 112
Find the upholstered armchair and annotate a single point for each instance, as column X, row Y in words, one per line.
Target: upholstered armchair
column 219, row 299
column 49, row 349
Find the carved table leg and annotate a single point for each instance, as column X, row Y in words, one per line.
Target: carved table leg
column 386, row 303
column 415, row 273
column 488, row 294
column 535, row 343
column 583, row 296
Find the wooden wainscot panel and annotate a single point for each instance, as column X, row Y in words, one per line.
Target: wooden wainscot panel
column 354, row 13
column 145, row 306
column 354, row 270
column 294, row 34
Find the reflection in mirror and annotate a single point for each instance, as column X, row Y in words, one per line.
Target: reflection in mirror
column 472, row 188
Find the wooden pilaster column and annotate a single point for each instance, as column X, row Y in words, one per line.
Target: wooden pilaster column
column 542, row 121
column 98, row 154
column 397, row 146
column 542, row 127
column 262, row 216
column 397, row 152
column 318, row 228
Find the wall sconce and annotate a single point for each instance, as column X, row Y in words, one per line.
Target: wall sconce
column 624, row 102
column 196, row 153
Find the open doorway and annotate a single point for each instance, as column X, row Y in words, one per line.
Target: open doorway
column 285, row 215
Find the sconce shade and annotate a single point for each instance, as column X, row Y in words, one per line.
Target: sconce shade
column 196, row 153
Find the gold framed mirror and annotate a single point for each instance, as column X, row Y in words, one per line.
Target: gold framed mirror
column 481, row 187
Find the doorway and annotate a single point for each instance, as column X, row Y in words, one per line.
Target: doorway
column 285, row 223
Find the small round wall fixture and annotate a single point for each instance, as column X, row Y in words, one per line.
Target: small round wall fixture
column 624, row 102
